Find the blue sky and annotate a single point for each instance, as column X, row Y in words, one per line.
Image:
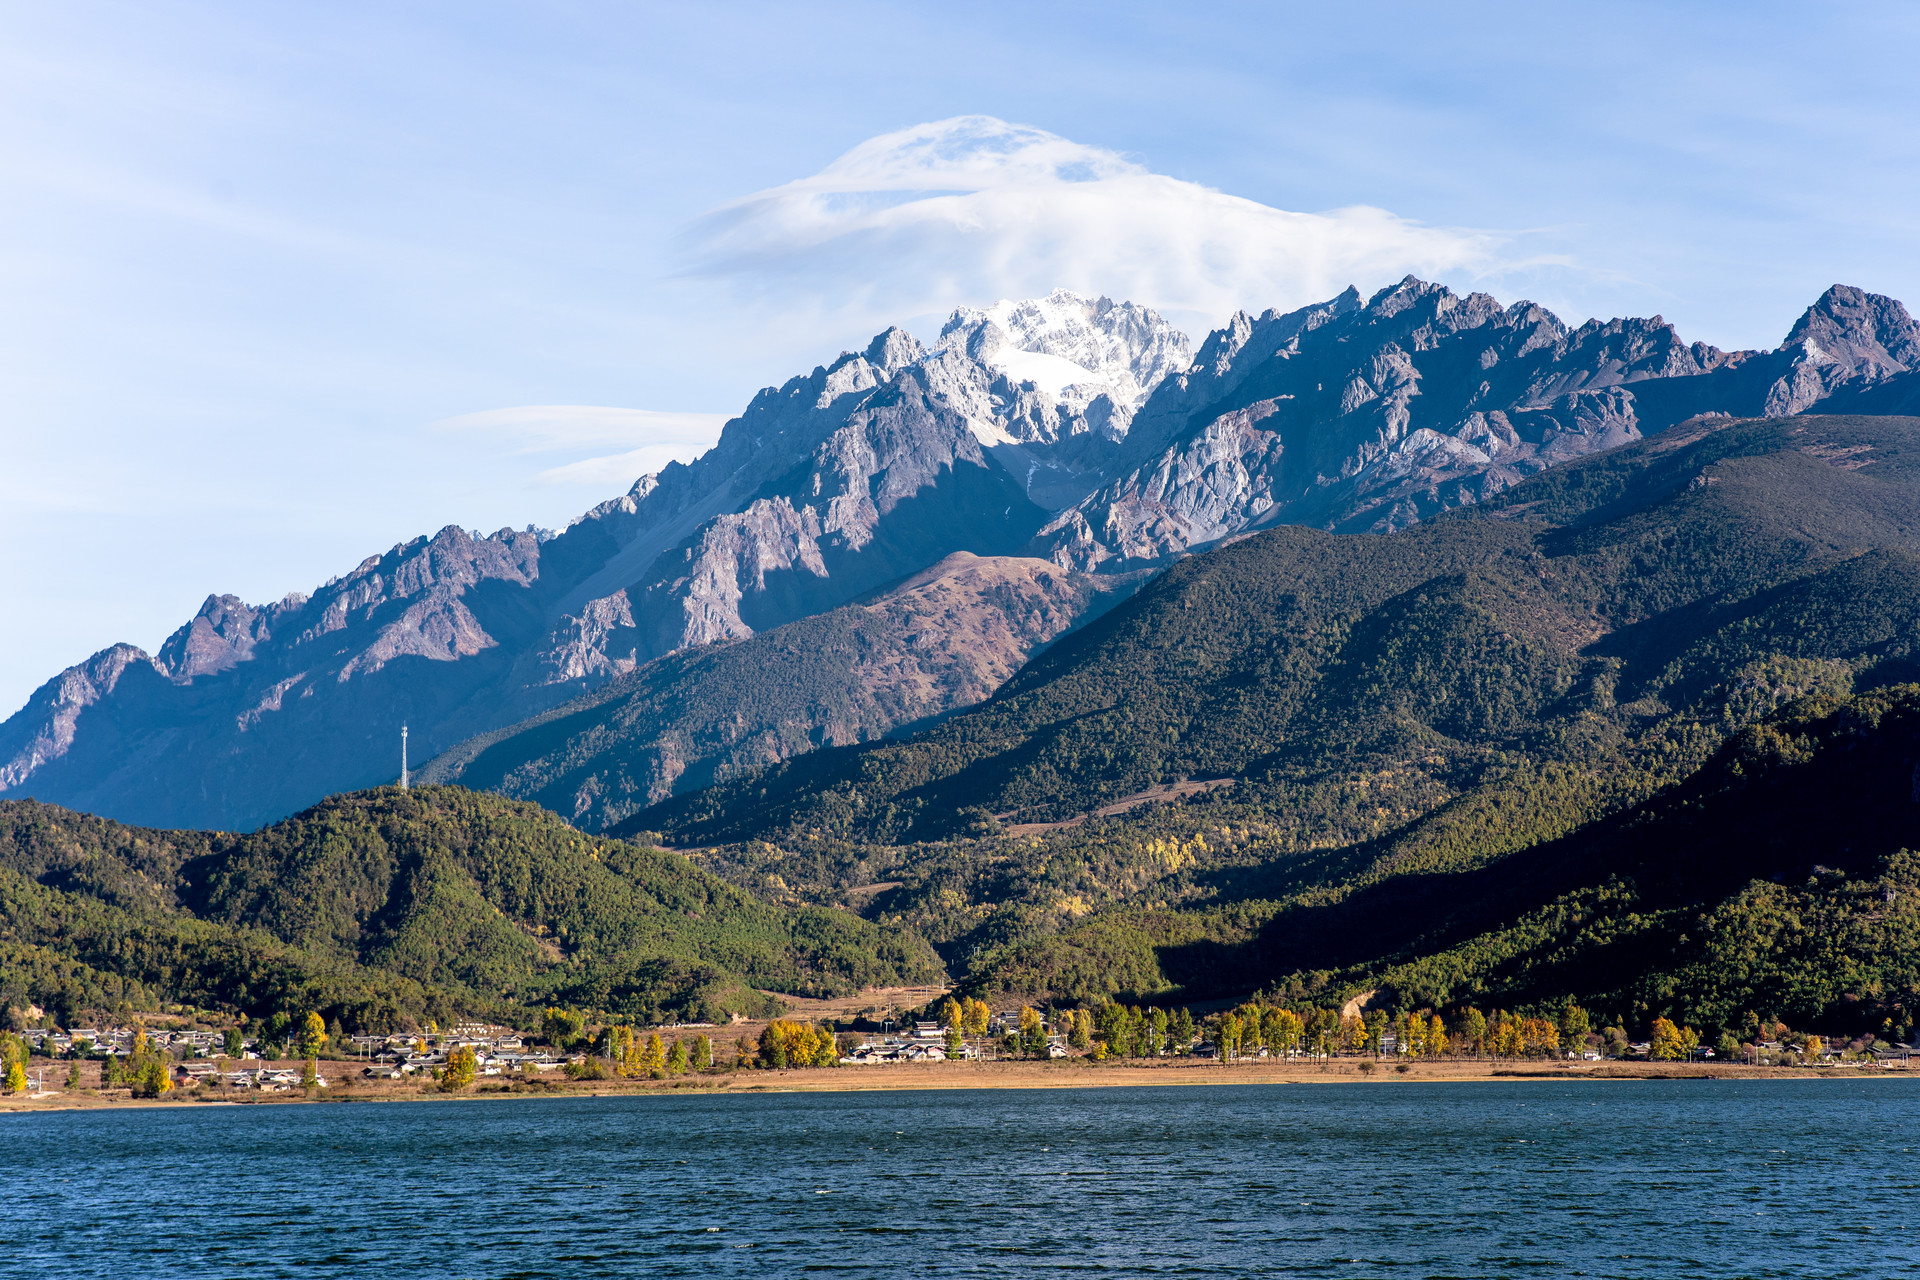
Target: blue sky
column 282, row 285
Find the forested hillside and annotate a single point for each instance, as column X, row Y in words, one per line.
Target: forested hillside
column 1421, row 740
column 376, row 907
column 1563, row 618
column 1776, row 881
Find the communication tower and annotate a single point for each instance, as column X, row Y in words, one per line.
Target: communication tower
column 403, row 757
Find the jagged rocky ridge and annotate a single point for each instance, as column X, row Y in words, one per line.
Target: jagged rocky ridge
column 828, row 487
column 1071, row 429
column 1369, row 415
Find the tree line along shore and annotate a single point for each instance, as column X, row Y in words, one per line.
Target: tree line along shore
column 303, row 1056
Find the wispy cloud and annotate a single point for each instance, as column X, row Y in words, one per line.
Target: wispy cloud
column 974, row 208
column 645, row 439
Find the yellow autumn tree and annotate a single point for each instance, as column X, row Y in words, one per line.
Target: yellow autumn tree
column 313, row 1036
column 952, row 1016
column 1471, row 1030
column 654, row 1060
column 1539, row 1036
column 462, row 1065
column 1504, row 1037
column 155, row 1077
column 1412, row 1030
column 1252, row 1035
column 1666, row 1044
column 1283, row 1029
column 1352, row 1034
column 786, row 1043
column 14, row 1053
column 1227, row 1034
column 977, row 1016
column 1033, row 1033
column 620, row 1045
column 1436, row 1044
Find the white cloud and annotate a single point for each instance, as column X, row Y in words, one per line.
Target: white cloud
column 973, row 208
column 647, row 439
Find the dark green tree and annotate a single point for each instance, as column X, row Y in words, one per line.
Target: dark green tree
column 561, row 1028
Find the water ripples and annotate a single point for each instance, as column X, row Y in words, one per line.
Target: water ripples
column 1521, row 1178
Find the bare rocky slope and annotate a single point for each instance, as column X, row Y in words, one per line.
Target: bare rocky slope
column 1074, row 430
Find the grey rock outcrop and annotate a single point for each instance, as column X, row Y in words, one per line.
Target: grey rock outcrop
column 1850, row 339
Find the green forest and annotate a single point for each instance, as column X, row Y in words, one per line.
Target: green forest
column 386, row 908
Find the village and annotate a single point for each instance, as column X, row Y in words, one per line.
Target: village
column 309, row 1061
column 224, row 1059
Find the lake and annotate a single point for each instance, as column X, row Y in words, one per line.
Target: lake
column 1640, row 1178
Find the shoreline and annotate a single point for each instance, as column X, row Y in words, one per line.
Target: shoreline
column 917, row 1077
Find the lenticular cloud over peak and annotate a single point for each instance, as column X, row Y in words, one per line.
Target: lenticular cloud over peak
column 973, row 207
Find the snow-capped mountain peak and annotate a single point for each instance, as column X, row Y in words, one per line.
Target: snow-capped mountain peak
column 1071, row 364
column 1065, row 340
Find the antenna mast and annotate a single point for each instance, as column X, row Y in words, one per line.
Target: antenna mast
column 403, row 757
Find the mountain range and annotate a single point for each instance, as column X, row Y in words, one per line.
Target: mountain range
column 1077, row 432
column 1406, row 648
column 1642, row 732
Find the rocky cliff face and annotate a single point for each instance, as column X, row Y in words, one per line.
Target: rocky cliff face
column 1071, row 429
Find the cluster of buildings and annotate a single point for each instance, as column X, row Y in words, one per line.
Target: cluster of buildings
column 496, row 1051
column 118, row 1041
column 927, row 1042
column 263, row 1079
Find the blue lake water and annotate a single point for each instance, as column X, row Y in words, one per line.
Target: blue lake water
column 1669, row 1179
